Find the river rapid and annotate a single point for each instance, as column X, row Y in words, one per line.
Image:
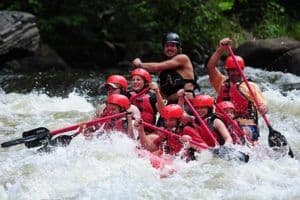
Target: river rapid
column 109, row 168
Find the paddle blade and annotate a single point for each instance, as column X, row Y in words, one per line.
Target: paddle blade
column 278, row 142
column 62, row 140
column 229, row 153
column 36, row 137
column 32, row 138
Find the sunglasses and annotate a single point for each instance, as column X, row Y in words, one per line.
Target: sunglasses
column 109, row 88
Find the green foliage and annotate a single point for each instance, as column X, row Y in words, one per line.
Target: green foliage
column 140, row 24
column 226, row 5
column 273, row 23
column 295, row 31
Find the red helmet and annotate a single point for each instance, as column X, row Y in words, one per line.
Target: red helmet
column 172, row 111
column 203, row 100
column 225, row 104
column 230, row 64
column 117, row 79
column 143, row 73
column 120, row 100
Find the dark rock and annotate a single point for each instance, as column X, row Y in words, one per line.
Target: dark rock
column 19, row 35
column 43, row 59
column 280, row 54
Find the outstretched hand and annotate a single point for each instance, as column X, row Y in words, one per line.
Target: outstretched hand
column 137, row 62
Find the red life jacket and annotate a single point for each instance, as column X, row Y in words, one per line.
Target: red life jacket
column 195, row 136
column 146, row 108
column 223, row 95
column 232, row 128
column 172, row 145
column 206, row 136
column 169, row 143
column 105, row 112
column 244, row 107
column 116, row 125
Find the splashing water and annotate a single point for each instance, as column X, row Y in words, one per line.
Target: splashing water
column 109, row 168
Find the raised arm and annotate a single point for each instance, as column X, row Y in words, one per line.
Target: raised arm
column 213, row 72
column 159, row 100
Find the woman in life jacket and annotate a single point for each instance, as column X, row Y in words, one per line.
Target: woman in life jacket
column 115, row 84
column 228, row 109
column 115, row 104
column 146, row 101
column 204, row 105
column 160, row 143
column 232, row 88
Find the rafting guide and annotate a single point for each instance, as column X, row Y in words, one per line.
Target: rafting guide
column 176, row 72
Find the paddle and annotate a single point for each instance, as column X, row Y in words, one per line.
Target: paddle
column 236, row 127
column 210, row 137
column 200, row 145
column 275, row 138
column 42, row 136
column 225, row 152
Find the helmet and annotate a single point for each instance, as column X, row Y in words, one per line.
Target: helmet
column 172, row 111
column 117, row 79
column 203, row 100
column 120, row 100
column 171, row 37
column 143, row 73
column 225, row 104
column 230, row 64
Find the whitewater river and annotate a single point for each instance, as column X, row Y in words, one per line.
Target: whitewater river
column 108, row 168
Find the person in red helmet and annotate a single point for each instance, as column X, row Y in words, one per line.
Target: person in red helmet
column 116, row 84
column 232, row 88
column 146, row 101
column 115, row 103
column 160, row 143
column 227, row 108
column 176, row 72
column 204, row 105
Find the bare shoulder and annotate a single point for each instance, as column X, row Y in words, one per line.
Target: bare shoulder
column 184, row 61
column 182, row 57
column 218, row 122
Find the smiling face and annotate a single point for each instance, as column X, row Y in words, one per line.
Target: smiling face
column 230, row 112
column 202, row 111
column 113, row 108
column 234, row 75
column 170, row 49
column 170, row 123
column 137, row 83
